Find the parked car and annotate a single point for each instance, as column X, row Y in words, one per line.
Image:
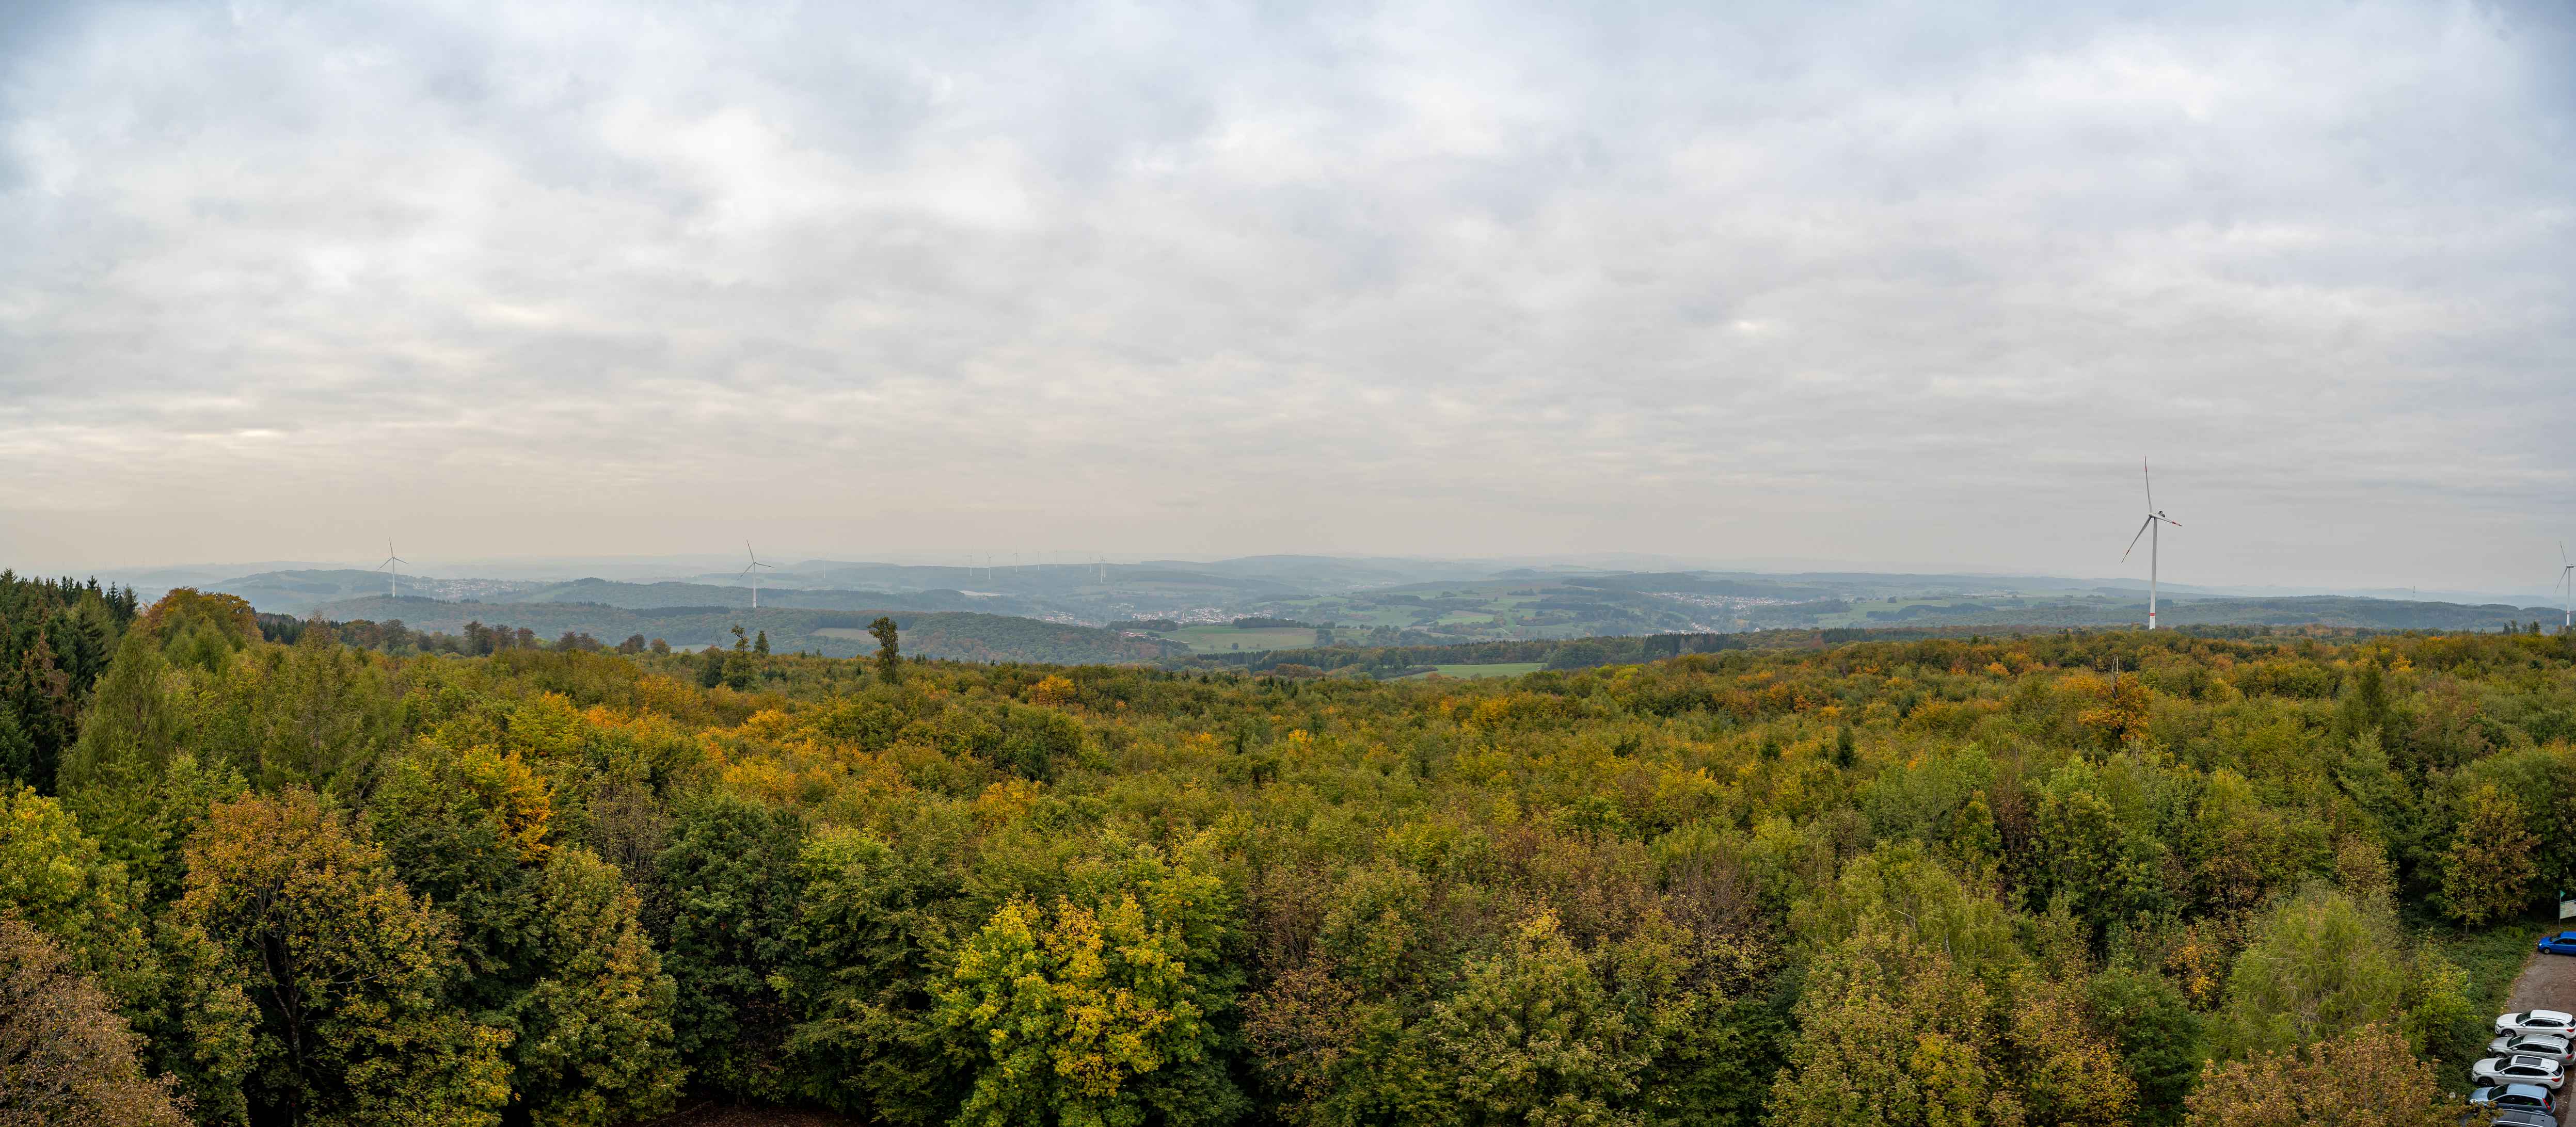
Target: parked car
column 2518, row 1117
column 2515, row 1095
column 2555, row 1023
column 2532, row 1045
column 2563, row 943
column 2519, row 1070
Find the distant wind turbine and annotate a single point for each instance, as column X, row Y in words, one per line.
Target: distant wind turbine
column 393, row 579
column 2566, row 579
column 2155, row 517
column 751, row 570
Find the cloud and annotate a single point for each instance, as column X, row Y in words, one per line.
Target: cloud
column 1882, row 283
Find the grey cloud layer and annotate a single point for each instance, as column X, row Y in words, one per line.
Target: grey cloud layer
column 1358, row 277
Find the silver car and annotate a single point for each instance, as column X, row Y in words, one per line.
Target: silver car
column 2552, row 1023
column 2542, row 1071
column 2532, row 1045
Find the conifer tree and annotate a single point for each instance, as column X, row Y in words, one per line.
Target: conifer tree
column 889, row 649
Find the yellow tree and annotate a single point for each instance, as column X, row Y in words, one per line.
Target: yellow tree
column 1097, row 1011
column 2488, row 871
column 2365, row 1078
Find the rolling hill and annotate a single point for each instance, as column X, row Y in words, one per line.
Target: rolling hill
column 959, row 635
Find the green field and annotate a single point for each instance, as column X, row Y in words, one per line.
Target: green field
column 1224, row 639
column 1493, row 669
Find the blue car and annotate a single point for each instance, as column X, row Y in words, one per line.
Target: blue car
column 2563, row 943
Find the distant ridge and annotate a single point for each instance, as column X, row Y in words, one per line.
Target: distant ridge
column 963, row 636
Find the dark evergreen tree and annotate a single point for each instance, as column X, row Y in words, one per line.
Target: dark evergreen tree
column 889, row 649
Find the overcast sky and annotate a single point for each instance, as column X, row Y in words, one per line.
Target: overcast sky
column 1894, row 284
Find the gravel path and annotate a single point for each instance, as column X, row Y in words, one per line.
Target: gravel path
column 2548, row 982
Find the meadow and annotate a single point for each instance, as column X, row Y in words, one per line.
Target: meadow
column 1494, row 669
column 1224, row 639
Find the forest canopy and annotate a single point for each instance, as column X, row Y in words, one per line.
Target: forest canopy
column 1938, row 880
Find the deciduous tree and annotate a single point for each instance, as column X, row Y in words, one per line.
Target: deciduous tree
column 66, row 1057
column 2488, row 871
column 2365, row 1077
column 317, row 984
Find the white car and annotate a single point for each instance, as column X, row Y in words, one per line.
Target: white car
column 2552, row 1023
column 2542, row 1071
column 2532, row 1045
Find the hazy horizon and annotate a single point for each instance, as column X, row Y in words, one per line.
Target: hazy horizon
column 1868, row 283
column 716, row 567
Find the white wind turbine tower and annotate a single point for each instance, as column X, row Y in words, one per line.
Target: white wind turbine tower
column 2155, row 517
column 2566, row 579
column 393, row 579
column 754, row 574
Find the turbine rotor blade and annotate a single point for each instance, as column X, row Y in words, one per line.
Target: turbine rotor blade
column 2133, row 541
column 2150, row 479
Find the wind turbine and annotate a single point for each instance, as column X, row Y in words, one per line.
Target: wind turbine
column 2566, row 579
column 754, row 574
column 2155, row 517
column 393, row 579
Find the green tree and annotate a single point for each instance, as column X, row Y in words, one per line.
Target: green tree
column 2323, row 965
column 1033, row 739
column 130, row 726
column 760, row 644
column 2160, row 1038
column 1530, row 1036
column 2488, row 871
column 594, row 1043
column 327, row 716
column 2084, row 850
column 315, row 982
column 56, row 880
column 729, row 877
column 876, row 932
column 549, row 936
column 145, row 823
column 1891, row 1032
column 889, row 649
column 1901, row 889
column 468, row 829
